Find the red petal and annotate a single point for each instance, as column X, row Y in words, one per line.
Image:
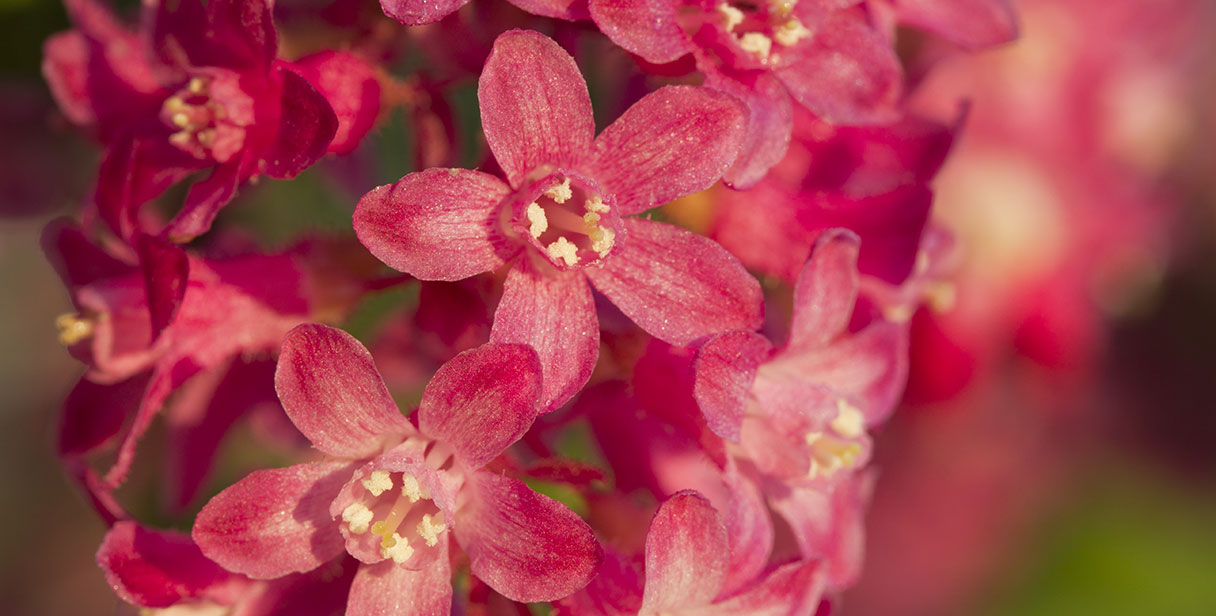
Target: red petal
column 554, row 313
column 482, row 400
column 678, row 286
column 770, row 118
column 349, row 85
column 526, row 546
column 205, row 199
column 76, row 259
column 166, row 269
column 151, row 568
column 93, row 413
column 225, row 33
column 274, row 522
column 535, row 109
column 332, row 392
column 674, row 142
column 420, row 12
column 648, row 28
column 725, row 370
column 974, row 24
column 687, row 555
column 438, row 224
column 826, row 291
column 389, row 589
column 133, row 171
column 569, row 10
column 795, row 589
column 307, row 125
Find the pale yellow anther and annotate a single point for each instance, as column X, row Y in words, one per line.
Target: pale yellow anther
column 378, row 482
column 829, row 454
column 358, row 516
column 849, row 421
column 756, row 44
column 206, row 138
column 922, row 262
column 538, row 223
column 73, row 329
column 411, row 489
column 181, row 120
column 429, row 529
column 783, row 7
column 790, row 32
column 396, row 548
column 563, row 249
column 602, row 240
column 174, row 104
column 591, row 219
column 181, row 138
column 596, row 204
column 731, row 16
column 941, row 296
column 560, row 193
column 898, row 314
column 197, row 85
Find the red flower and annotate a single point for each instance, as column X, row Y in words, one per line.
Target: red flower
column 559, row 218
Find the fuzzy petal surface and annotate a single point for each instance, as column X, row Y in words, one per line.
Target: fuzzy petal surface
column 554, row 313
column 153, row 568
column 274, row 522
column 677, row 285
column 793, row 589
column 482, row 400
column 349, row 84
column 389, row 589
column 676, row 141
column 307, row 125
column 535, row 109
column 526, row 546
column 725, row 369
column 648, row 28
column 687, row 555
column 420, row 12
column 770, row 118
column 437, row 224
column 826, row 291
column 332, row 392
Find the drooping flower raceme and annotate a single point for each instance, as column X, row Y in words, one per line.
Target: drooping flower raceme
column 391, row 494
column 560, row 218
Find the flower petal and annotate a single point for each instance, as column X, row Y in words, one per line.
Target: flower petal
column 687, row 555
column 332, row 392
column 725, row 369
column 420, row 12
column 750, row 529
column 677, row 285
column 152, row 568
column 526, row 546
column 307, row 125
column 349, row 85
column 205, row 199
column 274, row 522
column 535, row 109
column 389, row 589
column 648, row 28
column 676, row 141
column 826, row 291
column 93, row 413
column 166, row 269
column 793, row 589
column 554, row 313
column 569, row 10
column 974, row 24
column 770, row 118
column 437, row 224
column 830, row 526
column 482, row 400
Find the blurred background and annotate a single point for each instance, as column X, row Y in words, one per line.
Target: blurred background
column 1057, row 450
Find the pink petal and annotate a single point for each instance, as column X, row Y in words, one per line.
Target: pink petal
column 826, row 291
column 676, row 141
column 93, row 413
column 332, row 392
column 793, row 589
column 482, row 400
column 750, row 529
column 677, row 285
column 226, row 33
column 569, row 10
column 526, row 546
column 151, row 568
column 615, row 590
column 307, row 125
column 274, row 522
column 65, row 66
column 770, row 118
column 725, row 370
column 204, row 201
column 974, row 24
column 389, row 589
column 554, row 313
column 687, row 555
column 830, row 526
column 648, row 28
column 535, row 109
column 420, row 12
column 890, row 225
column 133, row 171
column 847, row 74
column 166, row 270
column 323, row 590
column 438, row 224
column 349, row 85
column 164, row 381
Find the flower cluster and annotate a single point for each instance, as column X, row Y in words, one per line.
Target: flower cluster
column 587, row 397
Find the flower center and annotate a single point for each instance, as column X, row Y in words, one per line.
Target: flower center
column 73, row 328
column 567, row 221
column 840, row 447
column 412, row 522
column 205, row 129
column 757, row 30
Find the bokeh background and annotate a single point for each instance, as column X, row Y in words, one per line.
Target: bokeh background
column 1057, row 453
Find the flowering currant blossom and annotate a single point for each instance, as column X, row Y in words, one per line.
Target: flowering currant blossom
column 419, row 12
column 559, row 220
column 197, row 88
column 973, row 24
column 824, row 54
column 392, row 494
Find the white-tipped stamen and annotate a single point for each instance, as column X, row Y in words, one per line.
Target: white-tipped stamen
column 411, row 489
column 560, row 193
column 756, row 44
column 596, row 204
column 73, row 329
column 563, row 249
column 538, row 223
column 731, row 16
column 378, row 483
column 849, row 421
column 429, row 529
column 358, row 516
column 790, row 32
column 396, row 548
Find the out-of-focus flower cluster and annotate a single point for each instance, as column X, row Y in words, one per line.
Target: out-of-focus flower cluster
column 648, row 336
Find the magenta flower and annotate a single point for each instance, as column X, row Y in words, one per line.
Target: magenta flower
column 197, row 88
column 560, row 219
column 419, row 12
column 824, row 54
column 973, row 24
column 392, row 495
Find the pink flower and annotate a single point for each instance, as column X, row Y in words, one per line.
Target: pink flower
column 973, row 24
column 419, row 12
column 391, row 494
column 197, row 88
column 824, row 54
column 559, row 220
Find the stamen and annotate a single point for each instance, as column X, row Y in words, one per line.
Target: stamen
column 73, row 329
column 536, row 216
column 602, row 240
column 596, row 204
column 411, row 489
column 563, row 249
column 389, row 525
column 181, row 120
column 560, row 193
column 756, row 44
column 789, row 33
column 849, row 421
column 357, row 515
column 829, row 454
column 396, row 548
column 197, row 85
column 378, row 482
column 429, row 530
column 732, row 15
column 783, row 7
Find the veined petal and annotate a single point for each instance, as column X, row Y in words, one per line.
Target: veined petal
column 307, row 125
column 725, row 369
column 349, row 85
column 389, row 589
column 526, row 546
column 274, row 522
column 769, row 123
column 332, row 392
column 554, row 313
column 482, row 400
column 826, row 291
column 420, row 12
column 793, row 589
column 750, row 530
column 677, row 285
column 153, row 568
column 437, row 224
column 676, row 141
column 648, row 28
column 535, row 109
column 687, row 555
